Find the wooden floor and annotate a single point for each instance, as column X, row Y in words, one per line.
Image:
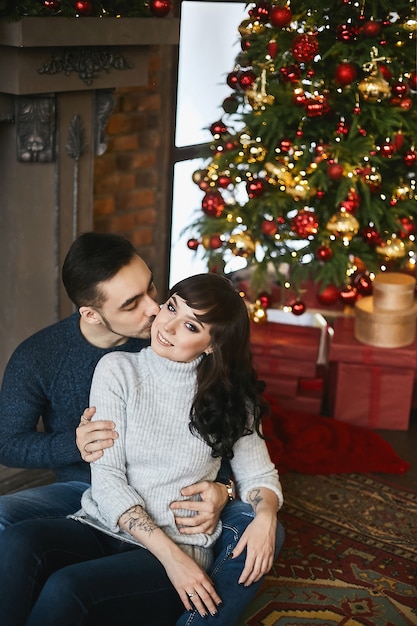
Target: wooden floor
column 403, row 442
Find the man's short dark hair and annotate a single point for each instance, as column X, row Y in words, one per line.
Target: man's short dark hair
column 92, row 259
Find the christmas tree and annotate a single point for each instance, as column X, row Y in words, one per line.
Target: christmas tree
column 311, row 173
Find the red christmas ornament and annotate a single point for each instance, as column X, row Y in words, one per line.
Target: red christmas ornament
column 371, row 28
column 272, row 48
column 387, row 149
column 193, row 244
column 335, row 171
column 233, row 79
column 218, row 128
column 299, row 98
column 245, row 44
column 410, row 158
column 398, row 140
column 348, row 295
column 285, row 145
column 316, row 107
column 304, row 47
column 280, row 16
column 223, row 181
column 407, row 227
column 246, row 79
column 406, row 104
column 160, row 8
column 345, row 73
column 347, row 33
column 329, row 295
column 290, row 73
column 385, row 71
column 213, row 204
column 260, row 12
column 371, row 236
column 215, row 242
column 363, row 284
column 400, row 89
column 83, row 7
column 324, row 253
column 264, row 299
column 305, row 223
column 342, row 128
column 255, row 188
column 269, row 227
column 412, row 81
column 298, row 307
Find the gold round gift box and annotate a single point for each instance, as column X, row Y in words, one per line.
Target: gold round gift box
column 387, row 319
column 393, row 292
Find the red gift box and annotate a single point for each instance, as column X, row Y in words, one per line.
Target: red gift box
column 311, row 403
column 275, row 367
column 286, row 341
column 370, row 386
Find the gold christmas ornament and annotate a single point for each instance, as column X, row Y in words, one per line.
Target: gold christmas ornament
column 373, row 178
column 248, row 27
column 257, row 313
column 393, row 249
column 255, row 152
column 403, row 192
column 241, row 244
column 258, row 97
column 280, row 173
column 374, row 88
column 343, row 224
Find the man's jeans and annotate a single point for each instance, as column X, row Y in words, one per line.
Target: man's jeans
column 61, row 571
column 47, row 501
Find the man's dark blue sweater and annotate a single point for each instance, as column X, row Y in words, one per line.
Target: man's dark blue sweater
column 49, row 376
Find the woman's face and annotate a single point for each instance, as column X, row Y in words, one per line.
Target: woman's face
column 177, row 334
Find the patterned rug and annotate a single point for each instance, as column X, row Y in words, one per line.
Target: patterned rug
column 350, row 556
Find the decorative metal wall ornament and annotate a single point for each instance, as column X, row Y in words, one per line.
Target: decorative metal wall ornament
column 104, row 105
column 35, row 128
column 86, row 62
column 75, row 149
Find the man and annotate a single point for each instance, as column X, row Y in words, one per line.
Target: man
column 49, row 376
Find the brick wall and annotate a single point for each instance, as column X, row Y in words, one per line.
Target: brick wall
column 132, row 179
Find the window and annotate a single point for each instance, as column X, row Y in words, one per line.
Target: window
column 209, row 44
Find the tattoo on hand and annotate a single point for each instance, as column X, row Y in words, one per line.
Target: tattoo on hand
column 255, row 498
column 137, row 519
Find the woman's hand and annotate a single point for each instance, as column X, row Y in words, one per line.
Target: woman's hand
column 259, row 537
column 92, row 438
column 192, row 584
column 189, row 580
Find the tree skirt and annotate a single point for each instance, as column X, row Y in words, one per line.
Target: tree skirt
column 349, row 558
column 313, row 444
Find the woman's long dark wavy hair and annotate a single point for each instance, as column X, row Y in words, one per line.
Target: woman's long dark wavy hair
column 228, row 403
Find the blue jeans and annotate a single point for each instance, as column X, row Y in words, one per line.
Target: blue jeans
column 64, row 572
column 47, row 501
column 225, row 572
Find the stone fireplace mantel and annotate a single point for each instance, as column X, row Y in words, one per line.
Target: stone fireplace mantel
column 57, row 78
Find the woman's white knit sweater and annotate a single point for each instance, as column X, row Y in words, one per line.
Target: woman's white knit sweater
column 155, row 456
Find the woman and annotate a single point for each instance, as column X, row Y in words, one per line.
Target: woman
column 179, row 407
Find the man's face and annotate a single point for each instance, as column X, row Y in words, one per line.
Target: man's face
column 130, row 301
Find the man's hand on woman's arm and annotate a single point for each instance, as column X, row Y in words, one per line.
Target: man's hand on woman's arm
column 92, row 438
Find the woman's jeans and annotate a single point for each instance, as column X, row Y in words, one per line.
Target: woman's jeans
column 63, row 572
